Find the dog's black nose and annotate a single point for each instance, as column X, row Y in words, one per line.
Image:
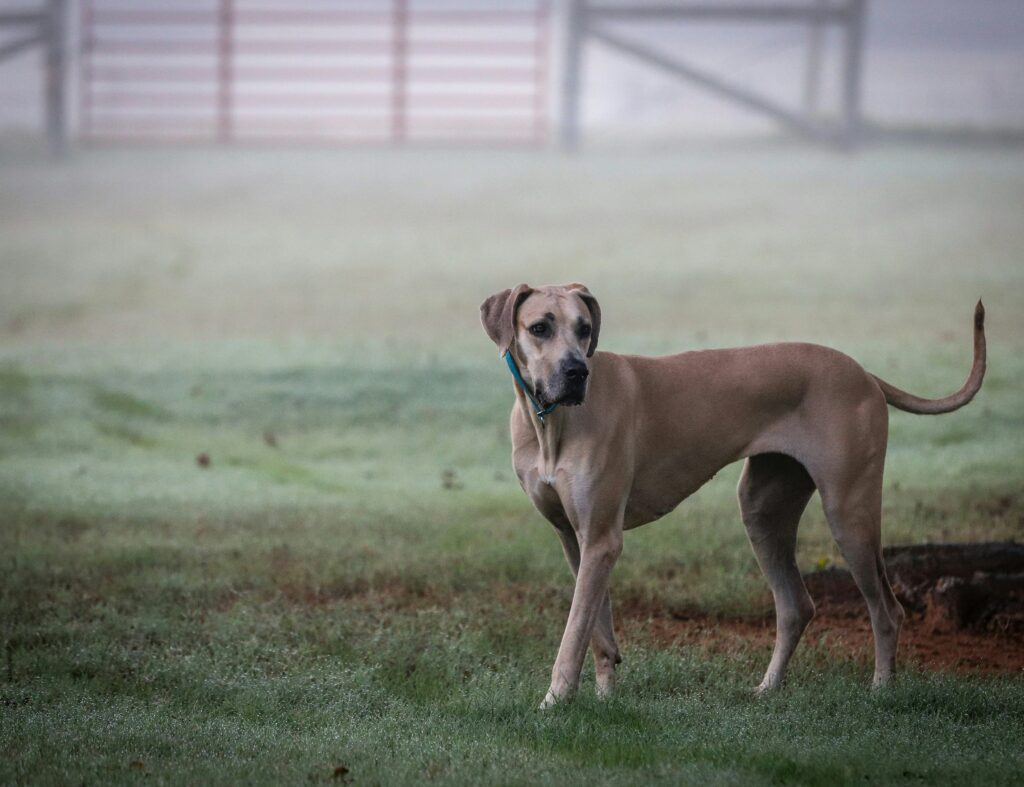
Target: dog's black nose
column 576, row 372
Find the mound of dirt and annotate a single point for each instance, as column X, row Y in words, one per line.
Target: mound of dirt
column 955, row 587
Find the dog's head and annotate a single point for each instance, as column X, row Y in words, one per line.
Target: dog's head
column 551, row 332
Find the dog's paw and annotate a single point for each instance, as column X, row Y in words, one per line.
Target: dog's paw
column 766, row 687
column 550, row 701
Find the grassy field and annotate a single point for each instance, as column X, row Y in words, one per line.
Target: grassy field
column 355, row 589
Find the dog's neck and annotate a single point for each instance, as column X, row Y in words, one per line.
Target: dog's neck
column 548, row 432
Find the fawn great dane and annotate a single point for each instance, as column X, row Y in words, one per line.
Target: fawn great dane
column 603, row 442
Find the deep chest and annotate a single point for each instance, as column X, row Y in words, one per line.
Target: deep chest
column 541, row 480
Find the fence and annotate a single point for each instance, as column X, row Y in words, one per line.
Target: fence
column 42, row 26
column 596, row 19
column 391, row 71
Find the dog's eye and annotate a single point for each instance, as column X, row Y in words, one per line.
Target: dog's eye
column 539, row 329
column 583, row 331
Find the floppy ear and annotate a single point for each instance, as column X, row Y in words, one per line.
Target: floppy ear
column 595, row 313
column 498, row 314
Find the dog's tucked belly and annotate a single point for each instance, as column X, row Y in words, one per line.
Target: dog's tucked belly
column 651, row 496
column 658, row 487
column 646, row 504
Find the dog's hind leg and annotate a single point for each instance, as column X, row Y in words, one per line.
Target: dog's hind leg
column 854, row 513
column 602, row 641
column 773, row 492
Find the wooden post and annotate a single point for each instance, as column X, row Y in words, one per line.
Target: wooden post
column 225, row 70
column 56, row 110
column 812, row 69
column 85, row 45
column 572, row 66
column 399, row 69
column 852, row 65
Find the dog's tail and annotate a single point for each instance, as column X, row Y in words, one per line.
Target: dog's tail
column 902, row 400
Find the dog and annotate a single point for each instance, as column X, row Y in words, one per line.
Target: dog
column 602, row 443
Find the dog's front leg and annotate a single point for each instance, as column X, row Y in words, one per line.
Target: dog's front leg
column 606, row 650
column 597, row 557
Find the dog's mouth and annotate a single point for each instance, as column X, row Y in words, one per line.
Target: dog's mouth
column 570, row 395
column 574, row 398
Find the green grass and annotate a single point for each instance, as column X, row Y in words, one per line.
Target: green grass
column 356, row 579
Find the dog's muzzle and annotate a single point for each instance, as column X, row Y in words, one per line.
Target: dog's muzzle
column 573, row 376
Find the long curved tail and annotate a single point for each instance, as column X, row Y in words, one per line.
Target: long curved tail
column 902, row 400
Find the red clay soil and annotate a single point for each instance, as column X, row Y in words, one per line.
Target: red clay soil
column 842, row 628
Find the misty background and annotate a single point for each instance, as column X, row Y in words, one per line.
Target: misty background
column 948, row 63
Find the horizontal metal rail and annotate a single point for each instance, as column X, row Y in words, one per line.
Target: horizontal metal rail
column 318, row 47
column 721, row 12
column 440, row 16
column 121, row 100
column 466, row 74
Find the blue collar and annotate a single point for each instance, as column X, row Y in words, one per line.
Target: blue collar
column 517, row 375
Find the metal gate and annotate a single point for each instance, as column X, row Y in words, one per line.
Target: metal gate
column 377, row 71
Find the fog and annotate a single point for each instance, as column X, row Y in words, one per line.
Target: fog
column 928, row 63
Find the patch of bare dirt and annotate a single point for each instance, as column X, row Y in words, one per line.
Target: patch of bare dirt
column 842, row 628
column 963, row 605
